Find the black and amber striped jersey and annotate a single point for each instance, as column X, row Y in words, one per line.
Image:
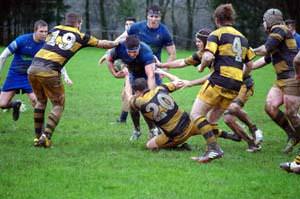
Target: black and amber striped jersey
column 158, row 106
column 61, row 44
column 282, row 47
column 194, row 59
column 231, row 51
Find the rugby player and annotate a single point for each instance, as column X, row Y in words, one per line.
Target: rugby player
column 23, row 48
column 62, row 42
column 282, row 48
column 229, row 50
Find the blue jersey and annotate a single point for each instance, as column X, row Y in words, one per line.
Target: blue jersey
column 136, row 66
column 155, row 38
column 297, row 38
column 24, row 48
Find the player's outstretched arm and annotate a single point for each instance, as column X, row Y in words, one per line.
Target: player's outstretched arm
column 106, row 44
column 166, row 74
column 259, row 63
column 200, row 81
column 261, row 50
column 4, row 55
column 179, row 63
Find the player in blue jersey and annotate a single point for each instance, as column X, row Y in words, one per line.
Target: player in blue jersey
column 154, row 33
column 157, row 36
column 24, row 48
column 140, row 62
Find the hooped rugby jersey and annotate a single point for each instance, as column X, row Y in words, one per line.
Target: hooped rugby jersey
column 61, row 44
column 158, row 106
column 283, row 48
column 231, row 51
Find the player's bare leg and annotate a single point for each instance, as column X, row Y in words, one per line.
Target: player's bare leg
column 6, row 102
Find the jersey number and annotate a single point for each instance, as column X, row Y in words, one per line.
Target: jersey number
column 237, row 49
column 165, row 102
column 67, row 40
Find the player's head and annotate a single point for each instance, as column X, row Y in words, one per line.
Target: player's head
column 153, row 16
column 272, row 16
column 73, row 19
column 224, row 15
column 132, row 44
column 128, row 22
column 291, row 24
column 40, row 30
column 201, row 37
column 139, row 85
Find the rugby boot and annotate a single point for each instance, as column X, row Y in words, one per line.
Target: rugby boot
column 44, row 141
column 213, row 152
column 291, row 167
column 16, row 109
column 135, row 135
column 258, row 137
column 292, row 141
column 252, row 147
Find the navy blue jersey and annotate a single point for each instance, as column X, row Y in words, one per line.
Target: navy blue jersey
column 155, row 38
column 136, row 66
column 24, row 48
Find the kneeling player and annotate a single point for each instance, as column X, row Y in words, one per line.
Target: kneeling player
column 158, row 106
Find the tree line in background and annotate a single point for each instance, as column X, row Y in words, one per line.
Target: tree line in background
column 183, row 17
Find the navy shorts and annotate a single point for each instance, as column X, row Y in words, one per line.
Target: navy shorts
column 17, row 82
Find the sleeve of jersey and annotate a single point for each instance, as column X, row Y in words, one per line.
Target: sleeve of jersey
column 250, row 55
column 194, row 59
column 112, row 55
column 131, row 30
column 212, row 43
column 170, row 87
column 168, row 41
column 276, row 36
column 89, row 40
column 13, row 46
column 135, row 103
column 148, row 58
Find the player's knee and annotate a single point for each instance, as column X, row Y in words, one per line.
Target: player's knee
column 57, row 110
column 3, row 103
column 270, row 108
column 228, row 118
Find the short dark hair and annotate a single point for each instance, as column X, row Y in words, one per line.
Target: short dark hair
column 130, row 19
column 39, row 23
column 132, row 41
column 71, row 19
column 139, row 84
column 225, row 14
column 154, row 8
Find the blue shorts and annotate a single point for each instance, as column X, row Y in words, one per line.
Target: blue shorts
column 17, row 82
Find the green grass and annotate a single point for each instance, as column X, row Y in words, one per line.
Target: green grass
column 93, row 158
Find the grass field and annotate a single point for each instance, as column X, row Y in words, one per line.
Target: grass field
column 93, row 158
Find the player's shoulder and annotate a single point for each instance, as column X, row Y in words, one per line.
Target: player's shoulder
column 25, row 36
column 138, row 25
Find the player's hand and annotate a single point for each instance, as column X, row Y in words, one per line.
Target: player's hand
column 102, row 59
column 68, row 81
column 200, row 68
column 186, row 83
